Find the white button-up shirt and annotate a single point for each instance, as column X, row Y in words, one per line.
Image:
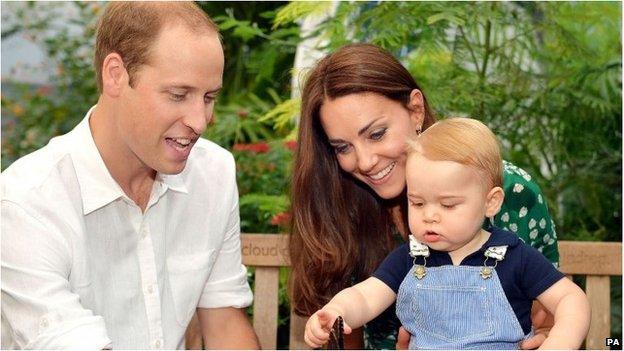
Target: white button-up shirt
column 84, row 267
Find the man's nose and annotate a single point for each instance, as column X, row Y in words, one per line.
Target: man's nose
column 198, row 117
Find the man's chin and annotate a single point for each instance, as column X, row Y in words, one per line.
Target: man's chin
column 172, row 168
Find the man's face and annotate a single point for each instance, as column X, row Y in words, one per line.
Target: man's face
column 172, row 100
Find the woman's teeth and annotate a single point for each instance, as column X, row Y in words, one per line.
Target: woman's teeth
column 384, row 172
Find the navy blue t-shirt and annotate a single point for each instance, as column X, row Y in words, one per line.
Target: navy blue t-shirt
column 524, row 273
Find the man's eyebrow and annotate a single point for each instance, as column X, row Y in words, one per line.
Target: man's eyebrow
column 216, row 90
column 188, row 87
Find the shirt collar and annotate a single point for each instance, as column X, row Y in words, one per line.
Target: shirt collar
column 500, row 237
column 97, row 186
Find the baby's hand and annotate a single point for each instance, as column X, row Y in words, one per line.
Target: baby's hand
column 318, row 327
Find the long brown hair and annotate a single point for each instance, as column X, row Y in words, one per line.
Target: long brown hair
column 341, row 230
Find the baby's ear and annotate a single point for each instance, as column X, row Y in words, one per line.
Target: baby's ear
column 494, row 201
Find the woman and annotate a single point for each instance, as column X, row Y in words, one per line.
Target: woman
column 359, row 105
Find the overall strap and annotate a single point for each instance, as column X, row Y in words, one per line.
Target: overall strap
column 495, row 252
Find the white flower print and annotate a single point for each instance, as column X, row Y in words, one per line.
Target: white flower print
column 527, row 177
column 540, row 199
column 505, row 217
column 523, row 212
column 533, row 234
column 546, row 238
column 518, row 188
column 513, row 227
column 542, row 223
column 551, row 242
column 532, row 223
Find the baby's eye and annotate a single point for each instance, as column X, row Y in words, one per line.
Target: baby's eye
column 449, row 206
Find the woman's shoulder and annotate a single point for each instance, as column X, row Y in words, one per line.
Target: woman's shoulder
column 519, row 185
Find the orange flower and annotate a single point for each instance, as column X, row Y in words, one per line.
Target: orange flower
column 258, row 148
column 281, row 219
column 291, row 145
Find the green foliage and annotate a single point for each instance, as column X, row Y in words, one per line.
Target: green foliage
column 38, row 114
column 545, row 76
column 536, row 73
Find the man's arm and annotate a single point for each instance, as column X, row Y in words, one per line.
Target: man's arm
column 227, row 328
column 37, row 299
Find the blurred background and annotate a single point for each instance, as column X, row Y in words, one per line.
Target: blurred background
column 545, row 76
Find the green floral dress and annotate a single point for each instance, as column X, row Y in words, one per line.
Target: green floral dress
column 524, row 212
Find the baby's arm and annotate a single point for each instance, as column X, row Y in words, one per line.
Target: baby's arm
column 568, row 303
column 357, row 305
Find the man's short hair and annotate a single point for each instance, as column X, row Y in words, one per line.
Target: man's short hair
column 130, row 28
column 462, row 140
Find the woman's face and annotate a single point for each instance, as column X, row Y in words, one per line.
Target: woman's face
column 368, row 132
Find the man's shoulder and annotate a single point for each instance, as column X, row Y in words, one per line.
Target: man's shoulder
column 35, row 169
column 208, row 156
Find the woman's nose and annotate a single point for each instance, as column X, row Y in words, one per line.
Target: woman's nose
column 366, row 159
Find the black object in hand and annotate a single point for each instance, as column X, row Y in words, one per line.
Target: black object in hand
column 336, row 339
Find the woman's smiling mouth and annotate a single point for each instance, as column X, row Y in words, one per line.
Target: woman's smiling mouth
column 382, row 175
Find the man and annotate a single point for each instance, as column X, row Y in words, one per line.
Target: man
column 115, row 233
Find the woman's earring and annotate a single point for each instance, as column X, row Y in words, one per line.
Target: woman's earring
column 418, row 131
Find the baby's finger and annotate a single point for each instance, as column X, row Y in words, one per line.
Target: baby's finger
column 346, row 328
column 309, row 342
column 325, row 318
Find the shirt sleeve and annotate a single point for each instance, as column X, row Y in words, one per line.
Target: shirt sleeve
column 39, row 309
column 227, row 284
column 525, row 212
column 395, row 267
column 538, row 274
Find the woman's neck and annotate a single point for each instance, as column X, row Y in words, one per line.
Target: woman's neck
column 397, row 216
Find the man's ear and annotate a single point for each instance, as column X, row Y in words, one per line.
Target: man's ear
column 494, row 201
column 114, row 75
column 417, row 108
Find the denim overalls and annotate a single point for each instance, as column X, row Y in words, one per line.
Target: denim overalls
column 457, row 307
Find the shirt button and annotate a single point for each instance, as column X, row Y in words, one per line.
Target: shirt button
column 44, row 323
column 150, row 288
column 157, row 344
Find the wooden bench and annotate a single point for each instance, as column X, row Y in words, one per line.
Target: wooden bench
column 268, row 252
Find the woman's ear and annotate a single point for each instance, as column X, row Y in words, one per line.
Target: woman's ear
column 114, row 75
column 417, row 108
column 494, row 201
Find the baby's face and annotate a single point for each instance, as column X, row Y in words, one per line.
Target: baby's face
column 446, row 203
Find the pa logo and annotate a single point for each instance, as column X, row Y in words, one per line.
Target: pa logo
column 612, row 342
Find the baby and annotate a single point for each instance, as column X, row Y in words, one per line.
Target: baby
column 456, row 285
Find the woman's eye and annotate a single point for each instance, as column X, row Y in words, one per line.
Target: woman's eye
column 378, row 134
column 341, row 149
column 416, row 204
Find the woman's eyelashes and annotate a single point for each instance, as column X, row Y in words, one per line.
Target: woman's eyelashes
column 340, row 148
column 378, row 134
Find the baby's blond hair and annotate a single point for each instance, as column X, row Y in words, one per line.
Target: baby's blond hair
column 463, row 140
